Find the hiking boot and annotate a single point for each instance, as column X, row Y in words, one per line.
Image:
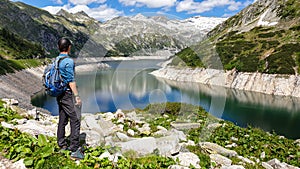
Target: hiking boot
column 78, row 154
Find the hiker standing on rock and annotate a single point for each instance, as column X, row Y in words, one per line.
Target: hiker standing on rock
column 69, row 103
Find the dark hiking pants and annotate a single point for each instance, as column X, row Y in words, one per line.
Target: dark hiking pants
column 67, row 110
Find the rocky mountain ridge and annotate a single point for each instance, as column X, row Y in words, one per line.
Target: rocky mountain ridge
column 264, row 37
column 189, row 30
column 41, row 27
column 139, row 31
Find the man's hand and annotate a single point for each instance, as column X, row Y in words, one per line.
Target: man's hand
column 78, row 101
column 75, row 92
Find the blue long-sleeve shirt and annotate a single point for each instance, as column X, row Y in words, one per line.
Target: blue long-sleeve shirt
column 66, row 68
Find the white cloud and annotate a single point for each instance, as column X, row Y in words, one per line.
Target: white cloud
column 127, row 2
column 102, row 13
column 85, row 2
column 55, row 9
column 149, row 3
column 199, row 7
column 235, row 6
column 248, row 2
column 227, row 15
column 58, row 1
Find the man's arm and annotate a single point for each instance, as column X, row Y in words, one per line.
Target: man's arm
column 75, row 92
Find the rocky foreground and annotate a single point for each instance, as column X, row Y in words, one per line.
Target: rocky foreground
column 131, row 132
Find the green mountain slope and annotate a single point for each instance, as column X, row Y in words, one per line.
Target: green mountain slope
column 264, row 37
column 12, row 46
column 39, row 26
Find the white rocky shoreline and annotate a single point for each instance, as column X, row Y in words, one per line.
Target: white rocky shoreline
column 274, row 84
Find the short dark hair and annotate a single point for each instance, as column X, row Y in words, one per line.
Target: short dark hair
column 63, row 44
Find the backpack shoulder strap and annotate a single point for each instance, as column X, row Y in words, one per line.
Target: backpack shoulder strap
column 57, row 61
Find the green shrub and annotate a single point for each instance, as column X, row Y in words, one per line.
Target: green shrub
column 10, row 66
column 298, row 60
column 175, row 112
column 173, row 108
column 281, row 61
column 266, row 35
column 7, row 114
column 261, row 29
column 289, row 9
column 228, row 51
column 248, row 63
column 236, row 37
column 204, row 159
column 150, row 161
column 253, row 141
column 189, row 58
column 295, row 28
column 16, row 47
column 269, row 44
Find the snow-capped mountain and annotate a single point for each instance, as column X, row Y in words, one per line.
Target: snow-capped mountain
column 189, row 31
column 180, row 33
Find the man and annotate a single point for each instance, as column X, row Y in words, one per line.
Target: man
column 67, row 102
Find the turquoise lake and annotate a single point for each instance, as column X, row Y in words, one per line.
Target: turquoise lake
column 129, row 85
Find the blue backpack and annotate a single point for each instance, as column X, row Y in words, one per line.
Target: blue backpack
column 52, row 80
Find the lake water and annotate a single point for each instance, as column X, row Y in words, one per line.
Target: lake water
column 129, row 85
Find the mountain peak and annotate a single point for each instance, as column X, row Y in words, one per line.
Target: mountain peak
column 139, row 16
column 62, row 12
column 160, row 18
column 82, row 13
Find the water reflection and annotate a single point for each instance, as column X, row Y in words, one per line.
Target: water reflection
column 271, row 113
column 128, row 85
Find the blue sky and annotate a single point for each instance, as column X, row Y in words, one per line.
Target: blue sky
column 107, row 9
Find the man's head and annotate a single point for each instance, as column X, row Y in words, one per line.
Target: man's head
column 64, row 45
